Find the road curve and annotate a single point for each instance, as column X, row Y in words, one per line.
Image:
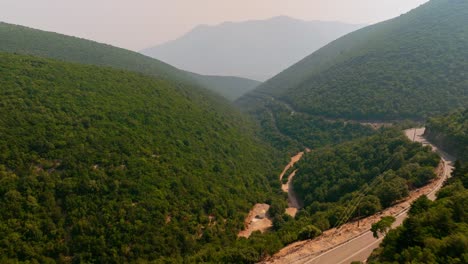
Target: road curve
column 360, row 247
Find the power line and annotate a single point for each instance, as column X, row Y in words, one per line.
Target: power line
column 361, row 194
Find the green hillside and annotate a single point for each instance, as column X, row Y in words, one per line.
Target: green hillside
column 291, row 131
column 99, row 165
column 383, row 168
column 411, row 66
column 450, row 132
column 436, row 232
column 23, row 40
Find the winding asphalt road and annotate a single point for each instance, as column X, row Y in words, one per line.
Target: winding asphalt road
column 359, row 248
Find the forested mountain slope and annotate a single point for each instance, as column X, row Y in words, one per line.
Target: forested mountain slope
column 436, row 232
column 23, row 40
column 103, row 165
column 255, row 49
column 450, row 132
column 383, row 168
column 291, row 131
column 411, row 66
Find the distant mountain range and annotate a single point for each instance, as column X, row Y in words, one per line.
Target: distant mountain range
column 410, row 67
column 253, row 49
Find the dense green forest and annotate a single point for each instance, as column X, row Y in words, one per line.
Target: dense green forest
column 102, row 165
column 436, row 232
column 410, row 67
column 23, row 40
column 123, row 158
column 292, row 131
column 450, row 132
column 382, row 169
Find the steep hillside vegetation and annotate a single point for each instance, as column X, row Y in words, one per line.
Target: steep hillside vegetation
column 412, row 66
column 23, row 40
column 257, row 49
column 436, row 232
column 99, row 165
column 291, row 131
column 383, row 168
column 450, row 132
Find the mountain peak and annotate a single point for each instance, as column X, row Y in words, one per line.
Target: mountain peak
column 250, row 48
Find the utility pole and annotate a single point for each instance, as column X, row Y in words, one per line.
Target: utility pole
column 414, row 135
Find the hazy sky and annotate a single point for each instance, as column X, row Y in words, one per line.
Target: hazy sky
column 137, row 24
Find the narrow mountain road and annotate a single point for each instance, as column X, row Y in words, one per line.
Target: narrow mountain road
column 374, row 124
column 334, row 247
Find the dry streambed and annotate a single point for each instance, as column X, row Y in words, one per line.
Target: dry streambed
column 258, row 219
column 293, row 202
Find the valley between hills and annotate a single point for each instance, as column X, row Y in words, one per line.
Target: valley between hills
column 356, row 153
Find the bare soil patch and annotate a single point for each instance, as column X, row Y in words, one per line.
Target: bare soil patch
column 257, row 220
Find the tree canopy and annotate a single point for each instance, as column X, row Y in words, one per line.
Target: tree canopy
column 103, row 165
column 436, row 232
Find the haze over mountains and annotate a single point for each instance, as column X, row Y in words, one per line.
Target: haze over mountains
column 110, row 156
column 24, row 40
column 253, row 49
column 411, row 66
